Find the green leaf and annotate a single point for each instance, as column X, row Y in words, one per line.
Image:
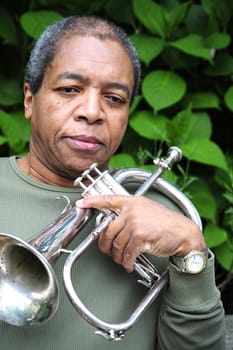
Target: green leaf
column 151, row 15
column 224, row 179
column 229, row 198
column 200, row 126
column 222, row 10
column 135, row 104
column 147, row 47
column 15, row 128
column 196, row 20
column 214, row 235
column 122, row 160
column 175, row 16
column 34, row 23
column 228, row 215
column 177, row 60
column 7, row 27
column 120, row 11
column 203, row 199
column 228, row 98
column 223, row 66
column 193, row 45
column 224, row 255
column 218, row 41
column 162, row 89
column 148, row 125
column 23, row 125
column 203, row 100
column 206, row 152
column 187, row 126
column 3, row 140
column 179, row 127
column 10, row 92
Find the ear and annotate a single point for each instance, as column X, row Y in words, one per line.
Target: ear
column 27, row 101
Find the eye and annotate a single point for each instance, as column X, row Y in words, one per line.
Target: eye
column 115, row 99
column 68, row 90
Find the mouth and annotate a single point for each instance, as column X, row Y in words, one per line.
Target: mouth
column 84, row 143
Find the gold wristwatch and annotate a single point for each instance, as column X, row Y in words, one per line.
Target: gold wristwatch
column 194, row 262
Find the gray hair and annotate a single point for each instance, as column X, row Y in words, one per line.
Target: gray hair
column 46, row 46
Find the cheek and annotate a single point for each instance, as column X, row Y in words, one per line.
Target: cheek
column 43, row 126
column 41, row 131
column 46, row 117
column 118, row 131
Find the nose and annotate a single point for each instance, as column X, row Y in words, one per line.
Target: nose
column 90, row 108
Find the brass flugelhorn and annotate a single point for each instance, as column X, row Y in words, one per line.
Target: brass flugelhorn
column 29, row 291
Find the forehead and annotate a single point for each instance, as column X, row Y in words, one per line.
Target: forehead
column 94, row 55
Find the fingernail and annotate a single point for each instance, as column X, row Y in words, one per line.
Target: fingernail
column 80, row 203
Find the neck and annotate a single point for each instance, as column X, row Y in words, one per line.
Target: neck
column 39, row 172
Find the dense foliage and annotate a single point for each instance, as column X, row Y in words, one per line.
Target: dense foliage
column 186, row 96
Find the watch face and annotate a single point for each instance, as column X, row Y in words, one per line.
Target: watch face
column 195, row 263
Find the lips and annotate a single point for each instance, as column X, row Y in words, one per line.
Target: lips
column 84, row 143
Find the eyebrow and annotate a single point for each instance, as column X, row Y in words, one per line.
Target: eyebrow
column 119, row 86
column 84, row 79
column 72, row 76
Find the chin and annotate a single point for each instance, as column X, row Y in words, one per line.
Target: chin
column 75, row 170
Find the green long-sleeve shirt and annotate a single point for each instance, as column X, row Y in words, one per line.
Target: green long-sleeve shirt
column 187, row 315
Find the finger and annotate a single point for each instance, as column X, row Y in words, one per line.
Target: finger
column 129, row 257
column 114, row 239
column 133, row 249
column 106, row 238
column 119, row 245
column 112, row 202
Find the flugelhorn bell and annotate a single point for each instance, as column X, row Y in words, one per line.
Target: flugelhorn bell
column 29, row 290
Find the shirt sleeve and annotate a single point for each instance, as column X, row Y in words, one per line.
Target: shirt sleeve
column 192, row 315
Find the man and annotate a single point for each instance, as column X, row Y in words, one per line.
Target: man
column 81, row 78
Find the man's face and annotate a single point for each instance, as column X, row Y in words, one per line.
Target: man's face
column 80, row 113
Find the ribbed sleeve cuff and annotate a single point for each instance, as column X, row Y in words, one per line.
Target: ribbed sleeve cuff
column 189, row 290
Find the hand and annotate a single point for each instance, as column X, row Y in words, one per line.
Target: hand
column 143, row 226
